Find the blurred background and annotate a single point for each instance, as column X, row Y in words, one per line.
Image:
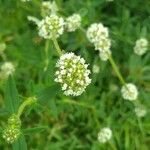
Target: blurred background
column 62, row 125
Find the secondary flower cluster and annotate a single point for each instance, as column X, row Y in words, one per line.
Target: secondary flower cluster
column 73, row 22
column 140, row 111
column 7, row 68
column 141, row 46
column 53, row 26
column 12, row 130
column 98, row 34
column 104, row 135
column 73, row 74
column 48, row 8
column 129, row 92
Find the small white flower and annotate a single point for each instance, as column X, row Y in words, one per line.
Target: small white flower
column 104, row 55
column 97, row 31
column 98, row 34
column 104, row 135
column 129, row 92
column 103, row 44
column 73, row 22
column 72, row 74
column 140, row 111
column 141, row 46
column 6, row 69
column 49, row 8
column 51, row 26
column 95, row 68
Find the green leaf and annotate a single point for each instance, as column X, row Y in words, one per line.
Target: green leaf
column 20, row 144
column 3, row 112
column 34, row 130
column 48, row 93
column 1, row 130
column 11, row 96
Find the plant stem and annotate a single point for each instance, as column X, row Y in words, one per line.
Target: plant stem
column 57, row 46
column 27, row 102
column 115, row 68
column 46, row 54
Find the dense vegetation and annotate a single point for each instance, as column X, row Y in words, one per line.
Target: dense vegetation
column 59, row 122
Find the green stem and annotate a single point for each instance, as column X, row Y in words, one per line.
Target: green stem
column 27, row 102
column 46, row 55
column 57, row 46
column 140, row 127
column 114, row 66
column 112, row 146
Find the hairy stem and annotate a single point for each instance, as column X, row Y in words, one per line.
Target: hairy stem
column 57, row 46
column 115, row 68
column 46, row 54
column 28, row 101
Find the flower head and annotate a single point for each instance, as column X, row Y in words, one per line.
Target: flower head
column 11, row 134
column 103, row 44
column 7, row 69
column 129, row 92
column 98, row 34
column 51, row 26
column 104, row 135
column 73, row 22
column 141, row 46
column 104, row 55
column 140, row 111
column 49, row 8
column 72, row 74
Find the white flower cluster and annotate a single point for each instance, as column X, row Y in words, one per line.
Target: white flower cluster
column 140, row 111
column 98, row 34
column 73, row 22
column 104, row 135
column 49, row 8
column 141, row 46
column 7, row 69
column 129, row 92
column 72, row 74
column 51, row 26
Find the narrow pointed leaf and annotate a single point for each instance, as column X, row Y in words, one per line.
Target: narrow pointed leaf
column 11, row 96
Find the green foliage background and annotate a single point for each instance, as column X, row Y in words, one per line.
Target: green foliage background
column 56, row 123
